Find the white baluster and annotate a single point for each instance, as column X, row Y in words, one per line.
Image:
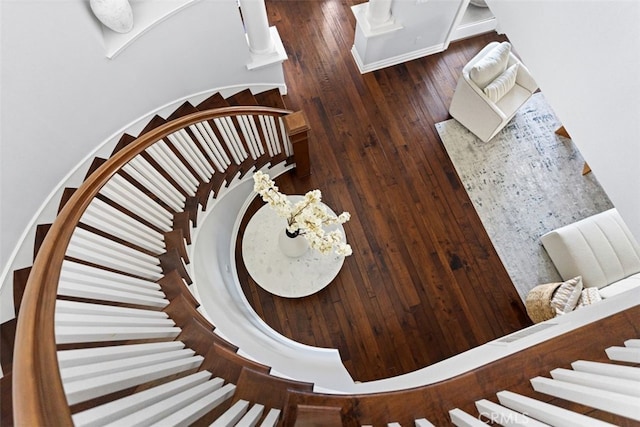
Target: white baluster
column 110, row 412
column 93, row 355
column 288, row 147
column 272, row 418
column 232, row 415
column 462, row 419
column 547, row 413
column 172, row 411
column 83, row 390
column 252, row 417
column 184, row 144
column 225, row 131
column 152, row 180
column 601, row 382
column 99, row 250
column 616, row 403
column 609, row 369
column 127, row 195
column 105, row 217
column 217, row 146
column 495, row 414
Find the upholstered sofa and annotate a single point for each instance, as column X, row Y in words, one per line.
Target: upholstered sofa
column 492, row 87
column 599, row 248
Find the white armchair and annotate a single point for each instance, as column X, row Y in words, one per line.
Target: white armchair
column 493, row 86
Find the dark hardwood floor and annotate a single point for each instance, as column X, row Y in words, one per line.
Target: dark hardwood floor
column 424, row 282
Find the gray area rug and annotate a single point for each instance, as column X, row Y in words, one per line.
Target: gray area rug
column 524, row 182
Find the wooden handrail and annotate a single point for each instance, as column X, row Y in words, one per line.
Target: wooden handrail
column 38, row 395
column 513, row 372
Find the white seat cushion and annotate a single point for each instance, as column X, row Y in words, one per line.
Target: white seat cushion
column 491, row 65
column 513, row 100
column 624, row 285
column 599, row 248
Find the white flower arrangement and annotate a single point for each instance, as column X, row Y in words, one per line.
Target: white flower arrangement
column 307, row 217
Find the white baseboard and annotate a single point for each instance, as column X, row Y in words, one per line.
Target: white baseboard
column 394, row 60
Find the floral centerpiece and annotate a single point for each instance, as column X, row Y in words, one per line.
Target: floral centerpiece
column 307, row 218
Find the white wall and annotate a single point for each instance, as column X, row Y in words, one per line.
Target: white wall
column 585, row 56
column 61, row 97
column 425, row 27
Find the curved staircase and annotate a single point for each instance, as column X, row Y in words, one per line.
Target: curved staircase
column 110, row 331
column 108, row 317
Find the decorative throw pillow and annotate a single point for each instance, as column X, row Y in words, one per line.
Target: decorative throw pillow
column 491, row 66
column 588, row 296
column 502, row 84
column 566, row 296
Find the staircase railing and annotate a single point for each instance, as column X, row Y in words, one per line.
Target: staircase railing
column 39, row 397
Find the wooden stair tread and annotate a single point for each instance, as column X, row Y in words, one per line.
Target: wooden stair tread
column 181, row 221
column 225, row 344
column 310, row 416
column 153, row 123
column 266, row 389
column 7, row 339
column 200, row 338
column 182, row 110
column 6, row 403
column 41, row 233
column 173, row 286
column 271, row 98
column 125, row 140
column 171, row 260
column 182, row 311
column 66, row 195
column 95, row 164
column 214, row 101
column 244, row 98
column 228, row 364
column 174, row 239
column 208, row 189
column 20, row 278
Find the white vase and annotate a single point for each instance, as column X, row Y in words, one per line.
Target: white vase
column 294, row 246
column 114, row 14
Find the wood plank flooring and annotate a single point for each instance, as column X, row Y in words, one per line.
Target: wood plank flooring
column 424, row 282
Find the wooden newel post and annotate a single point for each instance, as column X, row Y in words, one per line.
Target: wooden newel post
column 298, row 131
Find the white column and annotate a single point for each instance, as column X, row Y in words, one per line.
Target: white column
column 373, row 38
column 379, row 12
column 254, row 15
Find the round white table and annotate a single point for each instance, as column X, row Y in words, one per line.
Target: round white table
column 277, row 273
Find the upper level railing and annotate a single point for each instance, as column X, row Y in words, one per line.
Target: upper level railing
column 247, row 136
